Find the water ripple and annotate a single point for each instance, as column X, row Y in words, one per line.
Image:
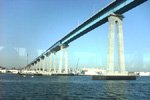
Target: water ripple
column 72, row 88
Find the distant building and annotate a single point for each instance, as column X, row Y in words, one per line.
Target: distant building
column 144, row 73
column 13, row 71
column 92, row 71
column 2, row 70
column 28, row 72
column 132, row 73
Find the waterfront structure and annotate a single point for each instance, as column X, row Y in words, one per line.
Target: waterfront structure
column 28, row 72
column 92, row 71
column 112, row 19
column 14, row 71
column 111, row 13
column 3, row 70
column 144, row 73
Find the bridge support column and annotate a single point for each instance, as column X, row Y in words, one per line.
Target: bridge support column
column 110, row 58
column 66, row 64
column 44, row 63
column 121, row 59
column 47, row 65
column 54, row 62
column 36, row 66
column 40, row 65
column 115, row 18
column 33, row 67
column 50, row 67
column 60, row 63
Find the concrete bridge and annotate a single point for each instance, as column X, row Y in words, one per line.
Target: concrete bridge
column 111, row 13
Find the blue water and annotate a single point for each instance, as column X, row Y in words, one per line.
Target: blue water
column 17, row 87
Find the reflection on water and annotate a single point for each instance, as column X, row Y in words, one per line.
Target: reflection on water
column 16, row 87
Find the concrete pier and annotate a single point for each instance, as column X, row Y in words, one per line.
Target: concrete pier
column 50, row 66
column 54, row 62
column 121, row 59
column 60, row 73
column 60, row 63
column 36, row 66
column 122, row 75
column 44, row 60
column 47, row 62
column 115, row 18
column 63, row 74
column 66, row 63
column 113, row 77
column 40, row 65
column 110, row 58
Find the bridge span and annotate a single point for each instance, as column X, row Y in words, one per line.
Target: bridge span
column 111, row 13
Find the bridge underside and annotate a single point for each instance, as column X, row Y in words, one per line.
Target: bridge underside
column 118, row 7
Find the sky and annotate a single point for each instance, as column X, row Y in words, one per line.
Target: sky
column 32, row 26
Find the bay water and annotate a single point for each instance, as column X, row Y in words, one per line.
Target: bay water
column 18, row 87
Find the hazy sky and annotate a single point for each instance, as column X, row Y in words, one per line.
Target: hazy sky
column 34, row 25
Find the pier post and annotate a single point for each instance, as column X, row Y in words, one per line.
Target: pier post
column 115, row 18
column 60, row 63
column 33, row 66
column 47, row 62
column 47, row 58
column 36, row 65
column 121, row 59
column 50, row 67
column 40, row 65
column 44, row 63
column 54, row 62
column 66, row 64
column 110, row 57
